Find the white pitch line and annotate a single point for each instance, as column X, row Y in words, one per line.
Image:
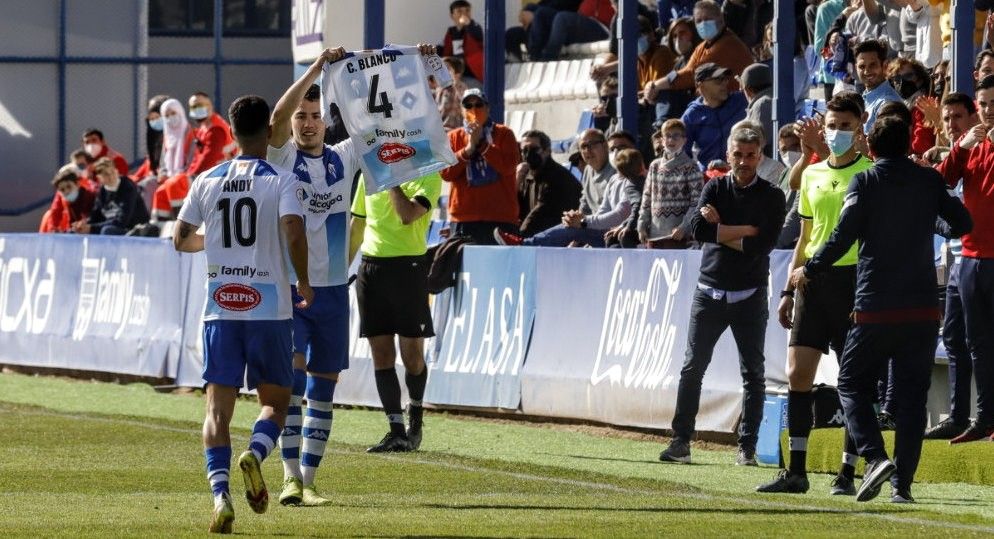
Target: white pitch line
column 574, row 482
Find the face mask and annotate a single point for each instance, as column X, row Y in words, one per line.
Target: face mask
column 611, row 108
column 790, row 157
column 477, row 115
column 708, row 30
column 174, row 121
column 905, row 88
column 839, row 141
column 940, row 86
column 93, row 148
column 643, row 45
column 71, row 197
column 198, row 113
column 155, row 124
column 534, row 158
column 81, row 167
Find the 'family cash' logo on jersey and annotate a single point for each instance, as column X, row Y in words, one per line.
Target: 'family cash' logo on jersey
column 393, row 152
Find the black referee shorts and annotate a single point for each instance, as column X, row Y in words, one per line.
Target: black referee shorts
column 393, row 297
column 822, row 312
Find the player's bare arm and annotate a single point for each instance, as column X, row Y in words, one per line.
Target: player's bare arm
column 288, row 103
column 408, row 210
column 356, row 230
column 296, row 236
column 186, row 239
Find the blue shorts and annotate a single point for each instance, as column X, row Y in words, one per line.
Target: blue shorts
column 321, row 332
column 251, row 351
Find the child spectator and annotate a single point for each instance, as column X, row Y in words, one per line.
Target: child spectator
column 73, row 202
column 672, row 189
column 464, row 40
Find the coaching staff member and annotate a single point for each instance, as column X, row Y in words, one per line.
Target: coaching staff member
column 892, row 211
column 392, row 292
column 739, row 220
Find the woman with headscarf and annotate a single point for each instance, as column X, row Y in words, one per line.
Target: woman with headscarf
column 177, row 138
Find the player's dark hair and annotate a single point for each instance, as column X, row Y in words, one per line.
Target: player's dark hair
column 986, row 83
column 853, row 96
column 458, row 4
column 94, row 131
column 543, row 140
column 621, row 133
column 313, row 93
column 871, row 45
column 842, row 103
column 957, row 98
column 249, row 117
column 895, row 109
column 890, row 137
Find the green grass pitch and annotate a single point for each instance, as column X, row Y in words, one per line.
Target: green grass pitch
column 84, row 459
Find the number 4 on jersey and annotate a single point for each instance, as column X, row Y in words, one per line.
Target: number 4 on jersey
column 384, row 107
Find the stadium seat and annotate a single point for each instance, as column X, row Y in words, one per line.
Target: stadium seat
column 512, row 119
column 526, row 91
column 586, row 88
column 513, row 88
column 528, row 120
column 549, row 74
column 511, row 72
column 564, row 85
column 553, row 81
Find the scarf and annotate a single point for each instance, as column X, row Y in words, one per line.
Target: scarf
column 478, row 171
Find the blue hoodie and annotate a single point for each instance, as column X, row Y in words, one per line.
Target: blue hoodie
column 710, row 128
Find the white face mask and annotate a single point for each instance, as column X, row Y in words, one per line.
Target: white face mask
column 174, row 121
column 93, row 148
column 790, row 157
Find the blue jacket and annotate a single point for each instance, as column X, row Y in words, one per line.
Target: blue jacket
column 710, row 128
column 893, row 210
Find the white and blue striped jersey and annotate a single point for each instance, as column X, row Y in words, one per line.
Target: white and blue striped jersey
column 389, row 113
column 240, row 203
column 325, row 192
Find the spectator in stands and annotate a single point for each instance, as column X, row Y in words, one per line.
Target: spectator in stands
column 96, row 147
column 672, row 189
column 546, row 190
column 154, row 124
column 605, row 113
column 720, row 46
column 659, row 143
column 483, row 189
column 118, row 206
column 911, row 81
column 82, row 161
column 654, row 62
column 748, row 18
column 870, row 56
column 73, row 202
column 682, row 39
column 449, row 99
column 790, row 152
column 971, row 160
column 552, row 24
column 984, row 65
column 176, row 139
column 579, row 229
column 464, row 39
column 630, row 166
column 739, row 219
column 757, row 85
column 709, row 118
column 598, row 171
column 826, row 13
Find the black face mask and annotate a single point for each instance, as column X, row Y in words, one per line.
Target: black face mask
column 905, row 88
column 612, row 108
column 533, row 157
column 939, row 87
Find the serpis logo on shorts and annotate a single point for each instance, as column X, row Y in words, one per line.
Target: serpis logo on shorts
column 393, row 152
column 237, row 297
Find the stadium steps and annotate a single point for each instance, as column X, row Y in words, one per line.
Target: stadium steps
column 550, row 95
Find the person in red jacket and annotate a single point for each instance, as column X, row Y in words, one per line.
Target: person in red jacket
column 464, row 40
column 96, row 147
column 72, row 202
column 554, row 24
column 484, row 187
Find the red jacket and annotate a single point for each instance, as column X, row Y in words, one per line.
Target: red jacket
column 214, row 144
column 922, row 138
column 976, row 168
column 472, row 47
column 61, row 214
column 497, row 201
column 120, row 163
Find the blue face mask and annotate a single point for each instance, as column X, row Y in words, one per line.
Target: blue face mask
column 839, row 141
column 708, row 30
column 156, row 124
column 643, row 45
column 71, row 196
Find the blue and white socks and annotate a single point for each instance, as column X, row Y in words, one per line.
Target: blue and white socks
column 290, row 438
column 264, row 436
column 218, row 466
column 316, row 426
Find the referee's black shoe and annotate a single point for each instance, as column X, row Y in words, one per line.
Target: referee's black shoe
column 786, row 482
column 877, row 473
column 392, row 443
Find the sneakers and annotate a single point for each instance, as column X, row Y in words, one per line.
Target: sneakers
column 877, row 473
column 786, row 482
column 843, row 486
column 974, row 432
column 886, row 421
column 292, row 493
column 506, row 238
column 255, row 486
column 901, row 495
column 678, row 451
column 946, row 430
column 223, row 514
column 311, row 498
column 391, row 443
column 746, row 456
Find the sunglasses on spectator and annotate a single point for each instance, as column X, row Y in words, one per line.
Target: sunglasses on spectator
column 474, row 105
column 606, row 98
column 591, row 144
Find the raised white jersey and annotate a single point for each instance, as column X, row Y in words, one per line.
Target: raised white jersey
column 240, row 203
column 325, row 192
column 389, row 113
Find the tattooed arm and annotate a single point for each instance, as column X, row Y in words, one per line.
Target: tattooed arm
column 186, row 239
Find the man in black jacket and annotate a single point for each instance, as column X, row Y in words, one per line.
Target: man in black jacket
column 739, row 220
column 545, row 188
column 119, row 205
column 892, row 210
